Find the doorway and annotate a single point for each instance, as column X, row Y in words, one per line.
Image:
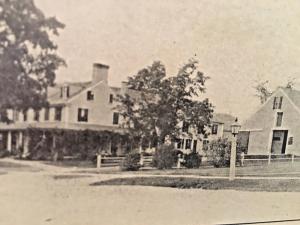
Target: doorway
column 279, row 141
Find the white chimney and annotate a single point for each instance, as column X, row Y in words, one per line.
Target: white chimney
column 100, row 73
column 124, row 87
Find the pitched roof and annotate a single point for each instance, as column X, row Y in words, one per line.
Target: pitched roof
column 294, row 95
column 224, row 118
column 75, row 88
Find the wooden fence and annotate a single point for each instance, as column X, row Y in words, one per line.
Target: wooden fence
column 103, row 161
column 248, row 160
column 269, row 159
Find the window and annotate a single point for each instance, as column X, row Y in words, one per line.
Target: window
column 291, row 140
column 25, row 115
column 90, row 96
column 185, row 127
column 15, row 115
column 179, row 143
column 188, row 143
column 65, row 92
column 47, row 112
column 205, row 142
column 279, row 119
column 277, row 102
column 83, row 115
column 276, row 138
column 200, row 129
column 36, row 115
column 195, row 146
column 58, row 112
column 111, row 98
column 115, row 118
column 214, row 129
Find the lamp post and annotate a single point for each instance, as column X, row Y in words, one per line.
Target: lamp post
column 235, row 127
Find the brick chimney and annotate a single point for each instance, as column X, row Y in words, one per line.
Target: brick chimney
column 100, row 73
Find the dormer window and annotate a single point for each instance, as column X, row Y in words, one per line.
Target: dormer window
column 277, row 102
column 65, row 91
column 90, row 96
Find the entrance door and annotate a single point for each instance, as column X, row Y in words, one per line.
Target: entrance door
column 279, row 141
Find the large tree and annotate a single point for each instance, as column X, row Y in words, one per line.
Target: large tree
column 156, row 104
column 28, row 56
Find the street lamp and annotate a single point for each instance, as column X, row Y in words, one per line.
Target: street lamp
column 235, row 127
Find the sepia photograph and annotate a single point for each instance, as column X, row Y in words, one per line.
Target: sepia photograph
column 149, row 112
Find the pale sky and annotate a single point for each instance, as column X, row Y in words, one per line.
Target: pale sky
column 235, row 41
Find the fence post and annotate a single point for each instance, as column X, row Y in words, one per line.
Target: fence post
column 142, row 160
column 178, row 162
column 269, row 159
column 98, row 161
column 293, row 158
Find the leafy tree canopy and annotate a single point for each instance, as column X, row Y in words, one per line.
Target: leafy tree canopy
column 28, row 58
column 155, row 103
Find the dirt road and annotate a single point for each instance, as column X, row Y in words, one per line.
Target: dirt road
column 35, row 198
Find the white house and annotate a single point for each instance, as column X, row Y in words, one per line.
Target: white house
column 76, row 106
column 275, row 127
column 219, row 128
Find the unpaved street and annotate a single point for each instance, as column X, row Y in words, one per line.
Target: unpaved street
column 36, row 198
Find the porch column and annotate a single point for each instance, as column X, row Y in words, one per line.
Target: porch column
column 9, row 140
column 26, row 146
column 109, row 146
column 20, row 139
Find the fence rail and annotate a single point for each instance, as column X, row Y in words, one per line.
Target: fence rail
column 146, row 161
column 251, row 159
column 104, row 161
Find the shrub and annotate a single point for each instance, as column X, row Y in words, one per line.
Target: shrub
column 218, row 152
column 131, row 162
column 192, row 160
column 165, row 157
column 4, row 153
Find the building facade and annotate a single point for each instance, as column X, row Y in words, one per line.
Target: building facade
column 74, row 106
column 275, row 127
column 192, row 140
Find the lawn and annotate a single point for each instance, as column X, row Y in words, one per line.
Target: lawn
column 10, row 166
column 273, row 185
column 72, row 163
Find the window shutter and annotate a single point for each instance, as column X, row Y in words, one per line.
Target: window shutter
column 280, row 102
column 86, row 115
column 274, row 103
column 79, row 115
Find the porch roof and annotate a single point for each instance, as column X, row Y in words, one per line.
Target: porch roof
column 60, row 125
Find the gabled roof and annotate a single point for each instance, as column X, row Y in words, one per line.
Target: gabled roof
column 294, row 95
column 75, row 88
column 224, row 118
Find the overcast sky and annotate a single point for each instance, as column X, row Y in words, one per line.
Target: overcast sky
column 235, row 41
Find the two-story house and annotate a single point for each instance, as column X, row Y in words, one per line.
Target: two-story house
column 75, row 106
column 191, row 138
column 275, row 127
